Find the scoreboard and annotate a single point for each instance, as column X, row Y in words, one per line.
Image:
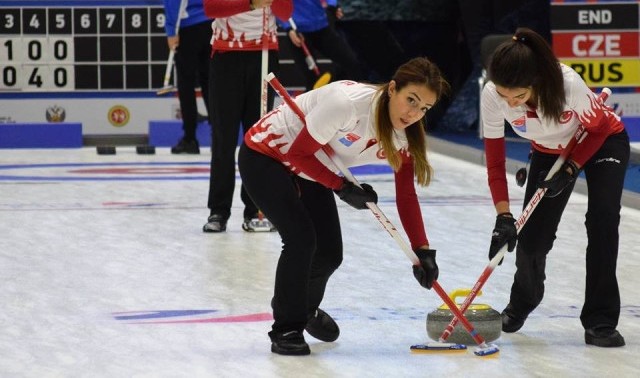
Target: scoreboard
column 96, row 62
column 601, row 41
column 57, row 48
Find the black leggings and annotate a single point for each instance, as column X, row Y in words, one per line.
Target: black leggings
column 604, row 174
column 306, row 216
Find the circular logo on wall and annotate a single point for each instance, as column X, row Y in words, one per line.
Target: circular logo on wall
column 55, row 114
column 118, row 115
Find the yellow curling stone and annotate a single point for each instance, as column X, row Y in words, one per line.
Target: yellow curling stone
column 486, row 321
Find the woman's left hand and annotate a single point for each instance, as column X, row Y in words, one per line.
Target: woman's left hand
column 427, row 271
column 565, row 176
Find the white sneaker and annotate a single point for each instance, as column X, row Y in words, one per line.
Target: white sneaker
column 258, row 225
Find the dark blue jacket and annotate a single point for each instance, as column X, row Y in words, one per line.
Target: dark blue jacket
column 309, row 15
column 194, row 15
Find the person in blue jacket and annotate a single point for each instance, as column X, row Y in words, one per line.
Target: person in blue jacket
column 315, row 27
column 190, row 38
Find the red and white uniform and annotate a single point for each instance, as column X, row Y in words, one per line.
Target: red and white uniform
column 236, row 27
column 339, row 118
column 549, row 136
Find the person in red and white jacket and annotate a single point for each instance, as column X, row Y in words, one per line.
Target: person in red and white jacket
column 235, row 93
column 545, row 101
column 285, row 171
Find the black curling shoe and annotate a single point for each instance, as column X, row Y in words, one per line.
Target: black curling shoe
column 289, row 343
column 511, row 321
column 322, row 326
column 603, row 336
column 186, row 146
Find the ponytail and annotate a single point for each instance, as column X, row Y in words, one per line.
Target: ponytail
column 528, row 61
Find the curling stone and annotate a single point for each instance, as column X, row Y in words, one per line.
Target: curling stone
column 486, row 321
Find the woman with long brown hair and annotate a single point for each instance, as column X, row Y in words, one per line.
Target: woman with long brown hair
column 293, row 183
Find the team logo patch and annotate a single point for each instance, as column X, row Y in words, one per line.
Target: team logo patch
column 349, row 139
column 520, row 124
column 566, row 116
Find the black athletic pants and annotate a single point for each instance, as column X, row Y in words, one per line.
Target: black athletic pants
column 604, row 173
column 306, row 216
column 192, row 66
column 235, row 100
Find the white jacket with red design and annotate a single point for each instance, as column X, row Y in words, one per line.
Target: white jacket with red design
column 581, row 107
column 237, row 27
column 339, row 117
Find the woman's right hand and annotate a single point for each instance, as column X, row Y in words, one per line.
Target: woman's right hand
column 357, row 197
column 173, row 42
column 504, row 232
column 296, row 38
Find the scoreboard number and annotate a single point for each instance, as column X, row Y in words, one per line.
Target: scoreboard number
column 36, row 63
column 86, row 48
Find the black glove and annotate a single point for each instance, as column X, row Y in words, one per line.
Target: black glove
column 504, row 232
column 427, row 271
column 355, row 196
column 560, row 180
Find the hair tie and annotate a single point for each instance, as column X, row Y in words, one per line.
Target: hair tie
column 521, row 39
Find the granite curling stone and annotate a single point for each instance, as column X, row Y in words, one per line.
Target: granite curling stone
column 486, row 321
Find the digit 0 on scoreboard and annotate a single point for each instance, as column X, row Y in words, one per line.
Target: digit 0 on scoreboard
column 81, row 47
column 34, row 53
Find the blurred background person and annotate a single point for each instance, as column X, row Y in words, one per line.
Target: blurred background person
column 313, row 25
column 189, row 34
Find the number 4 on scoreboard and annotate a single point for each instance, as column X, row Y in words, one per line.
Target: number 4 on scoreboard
column 35, row 79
